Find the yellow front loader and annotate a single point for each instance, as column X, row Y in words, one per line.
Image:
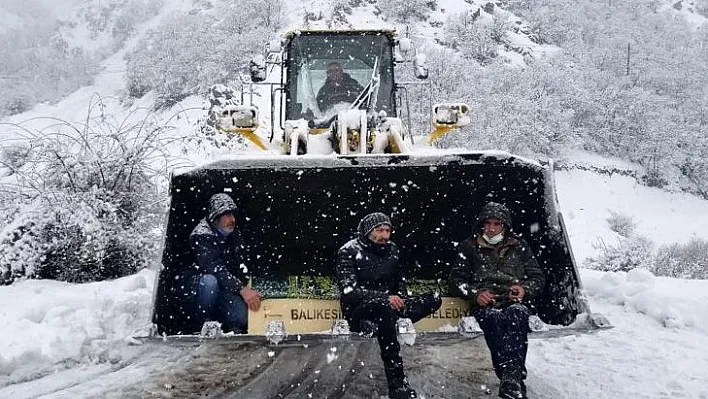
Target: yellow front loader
column 340, row 161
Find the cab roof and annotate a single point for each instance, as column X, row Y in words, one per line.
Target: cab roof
column 343, row 32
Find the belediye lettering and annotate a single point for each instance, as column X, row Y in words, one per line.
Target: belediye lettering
column 450, row 313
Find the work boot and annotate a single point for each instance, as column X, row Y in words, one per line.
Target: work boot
column 510, row 388
column 398, row 387
column 368, row 329
column 401, row 391
column 511, row 384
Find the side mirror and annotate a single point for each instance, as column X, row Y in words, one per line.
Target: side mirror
column 404, row 49
column 257, row 69
column 274, row 46
column 420, row 67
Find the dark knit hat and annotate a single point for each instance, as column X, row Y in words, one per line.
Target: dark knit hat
column 220, row 204
column 495, row 210
column 372, row 221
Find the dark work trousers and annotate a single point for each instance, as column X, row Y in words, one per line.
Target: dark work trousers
column 506, row 332
column 379, row 312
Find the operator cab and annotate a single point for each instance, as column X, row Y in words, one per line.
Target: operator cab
column 365, row 57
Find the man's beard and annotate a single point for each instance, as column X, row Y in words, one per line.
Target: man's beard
column 381, row 246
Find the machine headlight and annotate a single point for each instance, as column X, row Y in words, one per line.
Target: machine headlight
column 239, row 117
column 451, row 114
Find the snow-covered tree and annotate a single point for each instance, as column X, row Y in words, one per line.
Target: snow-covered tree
column 475, row 37
column 624, row 255
column 688, row 260
column 79, row 202
column 407, row 10
column 188, row 54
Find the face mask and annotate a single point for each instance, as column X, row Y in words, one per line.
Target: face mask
column 493, row 240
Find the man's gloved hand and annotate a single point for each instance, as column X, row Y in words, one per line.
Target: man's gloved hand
column 251, row 297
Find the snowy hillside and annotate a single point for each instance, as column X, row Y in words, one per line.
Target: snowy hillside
column 595, row 197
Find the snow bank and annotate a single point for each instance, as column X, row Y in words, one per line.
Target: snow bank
column 655, row 350
column 53, row 323
column 673, row 303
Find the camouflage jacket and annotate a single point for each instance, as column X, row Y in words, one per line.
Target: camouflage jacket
column 481, row 266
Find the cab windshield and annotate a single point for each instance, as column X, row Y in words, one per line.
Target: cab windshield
column 329, row 73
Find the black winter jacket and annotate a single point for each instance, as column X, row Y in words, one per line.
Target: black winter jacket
column 481, row 266
column 218, row 255
column 330, row 94
column 368, row 271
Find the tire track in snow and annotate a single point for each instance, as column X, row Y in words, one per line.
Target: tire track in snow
column 325, row 369
column 453, row 368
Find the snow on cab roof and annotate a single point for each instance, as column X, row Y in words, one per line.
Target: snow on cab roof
column 298, row 32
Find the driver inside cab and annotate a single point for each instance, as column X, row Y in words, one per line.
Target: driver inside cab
column 338, row 87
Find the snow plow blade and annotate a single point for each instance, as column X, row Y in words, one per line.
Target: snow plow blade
column 295, row 212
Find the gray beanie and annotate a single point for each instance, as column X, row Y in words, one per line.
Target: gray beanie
column 220, row 204
column 371, row 221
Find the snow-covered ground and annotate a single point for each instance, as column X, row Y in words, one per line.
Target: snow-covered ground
column 588, row 200
column 656, row 350
column 54, row 328
column 57, row 335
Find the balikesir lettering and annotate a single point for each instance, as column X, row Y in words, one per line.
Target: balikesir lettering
column 315, row 314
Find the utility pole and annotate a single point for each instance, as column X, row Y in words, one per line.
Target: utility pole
column 628, row 53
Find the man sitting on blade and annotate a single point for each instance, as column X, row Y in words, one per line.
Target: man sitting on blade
column 373, row 289
column 497, row 272
column 219, row 278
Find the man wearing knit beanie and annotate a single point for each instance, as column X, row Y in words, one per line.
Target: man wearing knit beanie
column 497, row 273
column 372, row 221
column 373, row 288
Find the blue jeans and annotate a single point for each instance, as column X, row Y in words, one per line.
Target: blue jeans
column 216, row 304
